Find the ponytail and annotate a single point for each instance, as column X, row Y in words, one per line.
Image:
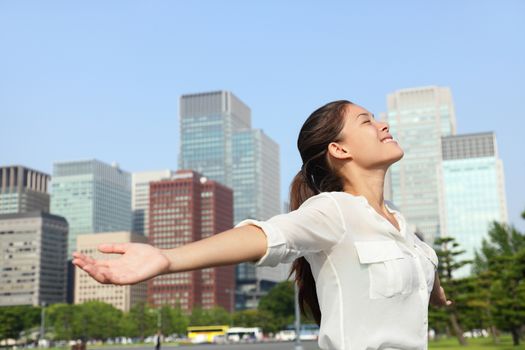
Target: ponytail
column 317, row 175
column 300, row 191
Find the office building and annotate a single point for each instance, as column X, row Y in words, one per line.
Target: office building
column 23, row 190
column 183, row 209
column 472, row 195
column 92, row 196
column 33, row 248
column 218, row 283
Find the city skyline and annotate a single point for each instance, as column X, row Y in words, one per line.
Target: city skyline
column 79, row 84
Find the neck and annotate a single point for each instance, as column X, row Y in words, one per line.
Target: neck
column 367, row 183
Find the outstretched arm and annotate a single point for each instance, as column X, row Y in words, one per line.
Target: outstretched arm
column 139, row 262
column 437, row 296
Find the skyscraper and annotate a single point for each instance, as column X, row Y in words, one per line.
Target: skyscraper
column 183, row 209
column 256, row 175
column 92, row 196
column 33, row 248
column 217, row 141
column 23, row 190
column 207, row 123
column 256, row 178
column 140, row 197
column 418, row 118
column 473, row 191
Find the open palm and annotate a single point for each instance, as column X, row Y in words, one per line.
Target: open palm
column 138, row 262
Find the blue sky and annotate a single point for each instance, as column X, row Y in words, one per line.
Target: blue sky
column 101, row 79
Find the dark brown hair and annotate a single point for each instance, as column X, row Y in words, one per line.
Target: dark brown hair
column 321, row 128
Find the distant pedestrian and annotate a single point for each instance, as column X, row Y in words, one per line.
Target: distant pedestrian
column 158, row 340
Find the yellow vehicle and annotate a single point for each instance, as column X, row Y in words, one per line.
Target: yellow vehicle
column 206, row 334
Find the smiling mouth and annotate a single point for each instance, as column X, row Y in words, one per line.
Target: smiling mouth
column 387, row 140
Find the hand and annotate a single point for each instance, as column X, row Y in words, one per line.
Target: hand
column 439, row 298
column 138, row 262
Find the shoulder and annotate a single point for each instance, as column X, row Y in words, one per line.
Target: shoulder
column 337, row 197
column 334, row 200
column 327, row 205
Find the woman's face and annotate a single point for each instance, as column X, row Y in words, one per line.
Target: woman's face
column 366, row 141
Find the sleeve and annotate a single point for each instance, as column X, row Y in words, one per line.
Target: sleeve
column 315, row 226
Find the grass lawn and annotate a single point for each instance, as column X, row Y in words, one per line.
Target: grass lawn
column 475, row 344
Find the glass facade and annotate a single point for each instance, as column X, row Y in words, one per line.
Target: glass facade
column 418, row 118
column 203, row 141
column 207, row 123
column 92, row 196
column 473, row 193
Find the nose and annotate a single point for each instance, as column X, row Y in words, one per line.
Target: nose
column 383, row 126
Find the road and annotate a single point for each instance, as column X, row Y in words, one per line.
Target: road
column 307, row 345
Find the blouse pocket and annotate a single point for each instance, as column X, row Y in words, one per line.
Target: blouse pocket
column 390, row 272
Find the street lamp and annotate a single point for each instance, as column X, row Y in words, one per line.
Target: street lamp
column 159, row 319
column 298, row 345
column 231, row 292
column 42, row 323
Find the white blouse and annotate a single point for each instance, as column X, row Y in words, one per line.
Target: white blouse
column 373, row 282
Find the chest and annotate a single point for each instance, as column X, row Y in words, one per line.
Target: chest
column 391, row 268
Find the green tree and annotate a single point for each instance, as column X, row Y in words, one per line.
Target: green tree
column 96, row 320
column 457, row 289
column 256, row 318
column 198, row 317
column 15, row 319
column 218, row 315
column 60, row 318
column 503, row 256
column 279, row 302
column 214, row 316
column 173, row 320
column 140, row 321
column 178, row 320
column 480, row 302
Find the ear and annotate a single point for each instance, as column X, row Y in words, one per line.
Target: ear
column 339, row 151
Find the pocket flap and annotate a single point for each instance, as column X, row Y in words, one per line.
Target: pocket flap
column 376, row 251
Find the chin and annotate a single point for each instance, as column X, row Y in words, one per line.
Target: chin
column 396, row 157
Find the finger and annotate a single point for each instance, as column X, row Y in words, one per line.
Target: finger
column 83, row 257
column 97, row 273
column 113, row 248
column 79, row 262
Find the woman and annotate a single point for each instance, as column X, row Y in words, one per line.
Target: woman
column 363, row 275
